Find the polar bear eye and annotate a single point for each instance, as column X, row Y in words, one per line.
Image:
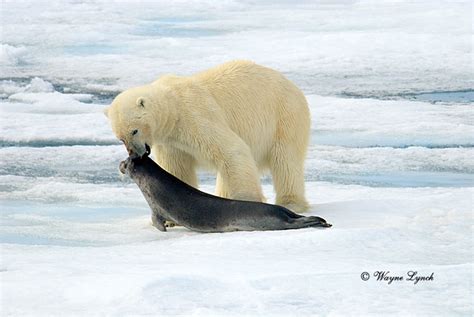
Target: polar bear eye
column 134, row 132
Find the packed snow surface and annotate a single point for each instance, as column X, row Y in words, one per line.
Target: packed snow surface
column 390, row 163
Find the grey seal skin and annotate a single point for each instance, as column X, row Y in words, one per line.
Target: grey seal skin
column 170, row 199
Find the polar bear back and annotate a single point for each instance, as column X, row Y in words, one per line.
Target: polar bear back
column 259, row 104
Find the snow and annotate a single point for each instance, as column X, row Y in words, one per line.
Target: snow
column 324, row 46
column 77, row 238
column 124, row 266
column 11, row 55
column 389, row 165
column 393, row 123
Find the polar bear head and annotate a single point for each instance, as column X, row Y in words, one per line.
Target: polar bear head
column 128, row 117
column 139, row 116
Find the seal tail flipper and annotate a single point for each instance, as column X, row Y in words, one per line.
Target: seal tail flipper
column 306, row 222
column 292, row 215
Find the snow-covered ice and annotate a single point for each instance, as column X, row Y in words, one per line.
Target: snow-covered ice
column 390, row 163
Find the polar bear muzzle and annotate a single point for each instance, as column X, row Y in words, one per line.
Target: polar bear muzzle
column 136, row 150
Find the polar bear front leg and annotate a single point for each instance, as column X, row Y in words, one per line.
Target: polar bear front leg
column 237, row 173
column 176, row 162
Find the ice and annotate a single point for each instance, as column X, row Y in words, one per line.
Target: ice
column 124, row 266
column 77, row 235
column 389, row 163
column 63, row 129
column 39, row 85
column 53, row 118
column 339, row 121
column 11, row 55
column 36, row 85
column 9, row 87
column 394, row 123
column 394, row 177
column 325, row 47
column 386, row 166
column 51, row 156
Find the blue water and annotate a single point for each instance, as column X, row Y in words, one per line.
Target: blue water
column 403, row 179
column 176, row 27
column 69, row 211
column 93, row 49
column 461, row 96
column 162, row 29
column 442, row 96
column 17, row 215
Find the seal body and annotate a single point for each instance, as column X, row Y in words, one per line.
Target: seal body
column 171, row 199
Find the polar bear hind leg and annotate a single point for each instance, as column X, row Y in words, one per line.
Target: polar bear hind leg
column 287, row 169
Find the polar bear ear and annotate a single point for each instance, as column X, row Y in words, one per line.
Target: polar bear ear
column 106, row 111
column 141, row 102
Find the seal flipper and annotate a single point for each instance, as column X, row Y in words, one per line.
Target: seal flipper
column 158, row 221
column 306, row 222
column 292, row 215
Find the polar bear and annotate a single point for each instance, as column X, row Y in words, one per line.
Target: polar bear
column 238, row 118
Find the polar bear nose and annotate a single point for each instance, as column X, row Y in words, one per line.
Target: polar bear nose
column 132, row 154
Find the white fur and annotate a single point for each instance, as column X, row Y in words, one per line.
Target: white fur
column 239, row 118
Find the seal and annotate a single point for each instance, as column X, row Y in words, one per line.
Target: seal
column 171, row 199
